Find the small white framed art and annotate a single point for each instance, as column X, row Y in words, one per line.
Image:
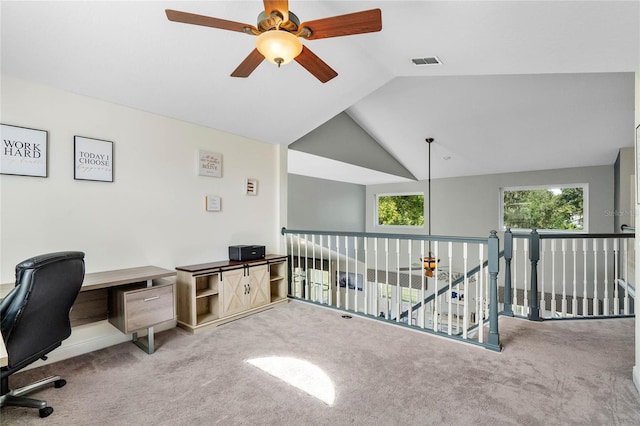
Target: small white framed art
column 213, row 203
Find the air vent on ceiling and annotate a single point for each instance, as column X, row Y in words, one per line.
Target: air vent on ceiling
column 431, row 60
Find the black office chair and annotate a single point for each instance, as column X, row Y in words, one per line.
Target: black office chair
column 35, row 319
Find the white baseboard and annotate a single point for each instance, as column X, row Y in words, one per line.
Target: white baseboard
column 636, row 377
column 92, row 337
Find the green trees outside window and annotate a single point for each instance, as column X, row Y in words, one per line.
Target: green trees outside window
column 401, row 210
column 544, row 208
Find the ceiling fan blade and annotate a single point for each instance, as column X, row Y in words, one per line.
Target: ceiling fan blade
column 208, row 21
column 315, row 65
column 367, row 21
column 249, row 64
column 281, row 6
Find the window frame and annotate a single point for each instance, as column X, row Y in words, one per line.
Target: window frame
column 585, row 207
column 398, row 194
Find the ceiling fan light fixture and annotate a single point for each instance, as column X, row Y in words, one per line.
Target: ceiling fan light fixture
column 278, row 47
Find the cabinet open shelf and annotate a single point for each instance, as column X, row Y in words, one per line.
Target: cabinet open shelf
column 207, row 292
column 278, row 281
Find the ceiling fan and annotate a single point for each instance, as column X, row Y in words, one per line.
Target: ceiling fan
column 279, row 31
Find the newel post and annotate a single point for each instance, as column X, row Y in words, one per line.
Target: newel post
column 494, row 267
column 534, row 257
column 508, row 255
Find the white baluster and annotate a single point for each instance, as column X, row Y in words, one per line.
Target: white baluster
column 616, row 276
column 292, row 290
column 321, row 270
column 626, row 276
column 338, row 301
column 437, row 301
column 298, row 284
column 355, row 273
column 596, row 309
column 410, row 310
column 465, row 294
column 574, row 300
column 585, row 299
column 375, row 266
column 514, row 264
column 398, row 292
column 423, row 312
column 306, row 267
column 554, row 306
column 564, row 278
column 386, row 268
column 313, row 267
column 543, row 302
column 605, row 302
column 449, row 294
column 365, row 278
column 480, row 289
column 525, row 281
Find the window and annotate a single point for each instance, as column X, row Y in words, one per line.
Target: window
column 400, row 209
column 553, row 207
column 388, row 291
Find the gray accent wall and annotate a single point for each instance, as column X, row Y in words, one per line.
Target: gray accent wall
column 325, row 205
column 469, row 206
column 342, row 139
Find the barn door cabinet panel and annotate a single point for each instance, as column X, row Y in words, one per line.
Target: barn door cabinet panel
column 210, row 294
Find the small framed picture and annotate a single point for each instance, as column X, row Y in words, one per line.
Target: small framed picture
column 93, row 159
column 24, row 151
column 209, row 163
column 213, row 203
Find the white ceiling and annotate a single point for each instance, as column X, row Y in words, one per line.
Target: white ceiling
column 496, row 104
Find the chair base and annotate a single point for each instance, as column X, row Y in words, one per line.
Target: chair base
column 15, row 397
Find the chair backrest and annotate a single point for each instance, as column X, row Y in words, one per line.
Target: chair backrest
column 35, row 315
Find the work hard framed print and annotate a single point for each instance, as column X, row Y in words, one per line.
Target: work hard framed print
column 23, row 151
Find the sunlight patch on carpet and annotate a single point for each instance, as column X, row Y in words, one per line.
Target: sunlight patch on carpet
column 299, row 373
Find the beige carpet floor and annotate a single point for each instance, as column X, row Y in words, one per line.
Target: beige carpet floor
column 550, row 373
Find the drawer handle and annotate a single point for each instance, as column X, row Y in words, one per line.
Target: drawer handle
column 149, row 299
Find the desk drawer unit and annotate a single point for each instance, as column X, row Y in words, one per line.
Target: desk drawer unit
column 139, row 307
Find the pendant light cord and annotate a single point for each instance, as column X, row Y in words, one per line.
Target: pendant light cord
column 429, row 141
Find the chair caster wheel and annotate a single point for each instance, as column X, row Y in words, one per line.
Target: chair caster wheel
column 46, row 411
column 59, row 383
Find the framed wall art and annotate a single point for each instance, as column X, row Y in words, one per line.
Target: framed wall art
column 350, row 280
column 209, row 163
column 24, row 151
column 212, row 203
column 93, row 159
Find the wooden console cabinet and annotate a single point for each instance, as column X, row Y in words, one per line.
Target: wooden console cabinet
column 210, row 294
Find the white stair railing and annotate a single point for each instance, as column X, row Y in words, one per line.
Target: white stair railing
column 579, row 275
column 385, row 276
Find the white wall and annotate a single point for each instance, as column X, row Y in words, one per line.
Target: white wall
column 154, row 211
column 636, row 368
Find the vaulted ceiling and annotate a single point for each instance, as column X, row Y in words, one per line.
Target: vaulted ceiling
column 522, row 85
